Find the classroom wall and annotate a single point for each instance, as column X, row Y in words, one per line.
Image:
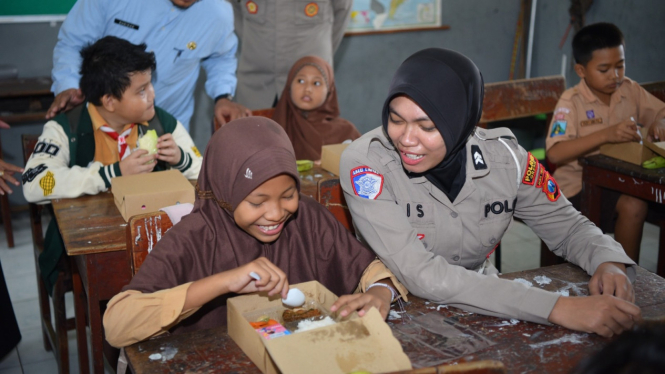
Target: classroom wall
column 481, row 29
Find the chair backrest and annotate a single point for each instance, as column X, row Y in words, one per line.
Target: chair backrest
column 331, row 196
column 656, row 88
column 268, row 112
column 521, row 98
column 143, row 232
column 29, row 141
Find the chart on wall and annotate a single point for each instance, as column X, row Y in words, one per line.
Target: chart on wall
column 389, row 15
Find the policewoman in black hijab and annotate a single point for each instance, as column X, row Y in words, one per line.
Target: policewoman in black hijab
column 432, row 195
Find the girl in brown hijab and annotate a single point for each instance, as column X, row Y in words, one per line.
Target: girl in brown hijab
column 308, row 109
column 248, row 217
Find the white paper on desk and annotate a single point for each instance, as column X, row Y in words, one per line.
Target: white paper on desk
column 176, row 212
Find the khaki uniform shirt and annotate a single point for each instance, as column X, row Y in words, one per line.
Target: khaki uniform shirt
column 438, row 249
column 580, row 113
column 274, row 35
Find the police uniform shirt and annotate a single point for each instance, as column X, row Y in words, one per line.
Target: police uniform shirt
column 438, row 249
column 579, row 113
column 274, row 35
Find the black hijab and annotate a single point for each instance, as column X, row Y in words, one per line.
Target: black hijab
column 449, row 88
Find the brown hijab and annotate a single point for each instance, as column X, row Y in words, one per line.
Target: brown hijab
column 309, row 131
column 313, row 244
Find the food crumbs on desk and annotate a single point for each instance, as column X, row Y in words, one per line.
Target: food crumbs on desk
column 394, row 315
column 318, row 175
column 527, row 335
column 155, row 356
column 563, row 292
column 523, row 281
column 570, row 338
column 441, row 306
column 541, row 280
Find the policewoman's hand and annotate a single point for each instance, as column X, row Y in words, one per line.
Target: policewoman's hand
column 610, row 279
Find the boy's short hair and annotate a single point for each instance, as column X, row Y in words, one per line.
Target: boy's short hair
column 593, row 37
column 107, row 67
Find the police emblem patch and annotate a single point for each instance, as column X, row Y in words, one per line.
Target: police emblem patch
column 551, row 188
column 558, row 128
column 251, row 6
column 531, row 170
column 311, row 9
column 367, row 182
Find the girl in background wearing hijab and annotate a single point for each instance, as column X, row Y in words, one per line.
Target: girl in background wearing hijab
column 248, row 217
column 308, row 109
column 432, row 195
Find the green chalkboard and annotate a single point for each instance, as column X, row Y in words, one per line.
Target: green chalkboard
column 35, row 7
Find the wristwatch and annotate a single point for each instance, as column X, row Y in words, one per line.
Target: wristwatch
column 224, row 96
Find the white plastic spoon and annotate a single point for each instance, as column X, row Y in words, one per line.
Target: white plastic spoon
column 294, row 298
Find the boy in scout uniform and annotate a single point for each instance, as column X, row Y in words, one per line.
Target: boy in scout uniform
column 432, row 196
column 605, row 107
column 80, row 151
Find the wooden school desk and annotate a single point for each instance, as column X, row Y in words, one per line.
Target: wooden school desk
column 521, row 346
column 94, row 235
column 600, row 171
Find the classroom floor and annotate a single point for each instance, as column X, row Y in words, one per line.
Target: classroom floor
column 520, row 246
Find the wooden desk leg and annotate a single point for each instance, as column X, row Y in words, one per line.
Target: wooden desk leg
column 95, row 317
column 591, row 194
column 79, row 312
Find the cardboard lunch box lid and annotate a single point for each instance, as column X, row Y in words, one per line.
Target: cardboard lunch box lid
column 159, row 188
column 359, row 343
column 331, row 155
column 658, row 147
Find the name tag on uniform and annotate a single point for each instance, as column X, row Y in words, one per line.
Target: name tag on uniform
column 594, row 121
column 126, row 24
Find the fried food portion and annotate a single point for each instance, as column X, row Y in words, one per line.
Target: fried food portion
column 291, row 315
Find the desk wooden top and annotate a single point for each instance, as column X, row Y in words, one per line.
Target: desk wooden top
column 25, row 100
column 623, row 167
column 92, row 223
column 521, row 346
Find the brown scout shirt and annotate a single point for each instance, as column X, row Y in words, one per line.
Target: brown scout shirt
column 580, row 113
column 437, row 248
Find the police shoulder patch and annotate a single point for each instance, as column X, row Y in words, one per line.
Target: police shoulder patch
column 530, row 170
column 551, row 188
column 367, row 182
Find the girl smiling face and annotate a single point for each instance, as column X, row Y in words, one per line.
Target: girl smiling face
column 415, row 136
column 265, row 211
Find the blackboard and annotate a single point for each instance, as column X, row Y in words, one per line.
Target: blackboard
column 35, row 7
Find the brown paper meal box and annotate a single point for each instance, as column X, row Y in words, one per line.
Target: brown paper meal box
column 147, row 193
column 633, row 152
column 359, row 343
column 330, row 156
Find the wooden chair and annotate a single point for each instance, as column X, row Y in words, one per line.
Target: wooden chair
column 54, row 335
column 268, row 112
column 518, row 99
column 143, row 232
column 331, row 196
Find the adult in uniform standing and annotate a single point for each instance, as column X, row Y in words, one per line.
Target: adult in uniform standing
column 183, row 34
column 274, row 35
column 432, row 196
